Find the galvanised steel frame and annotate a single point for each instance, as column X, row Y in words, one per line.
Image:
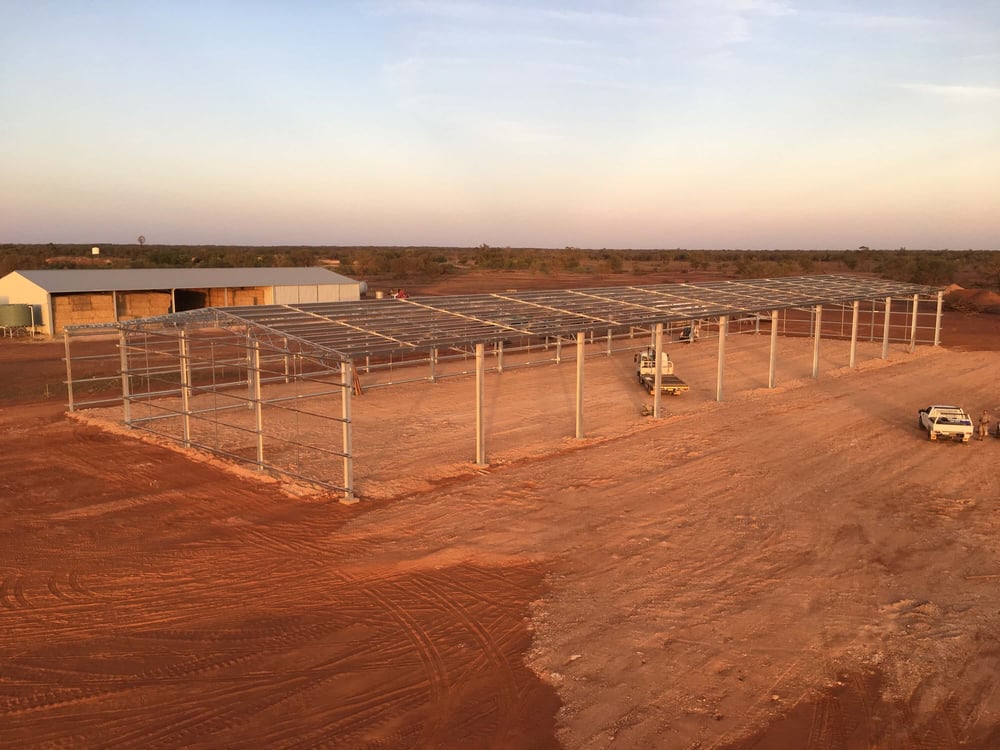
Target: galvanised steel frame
column 210, row 378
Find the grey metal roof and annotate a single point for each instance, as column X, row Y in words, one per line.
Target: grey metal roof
column 372, row 327
column 135, row 279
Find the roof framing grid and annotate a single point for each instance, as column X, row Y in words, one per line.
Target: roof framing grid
column 271, row 332
column 383, row 327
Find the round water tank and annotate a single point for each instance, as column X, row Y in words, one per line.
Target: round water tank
column 15, row 316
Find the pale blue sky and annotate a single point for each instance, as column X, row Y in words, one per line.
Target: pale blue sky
column 636, row 123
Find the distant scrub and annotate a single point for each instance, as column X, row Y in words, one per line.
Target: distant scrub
column 932, row 267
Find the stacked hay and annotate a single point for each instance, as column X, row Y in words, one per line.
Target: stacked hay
column 132, row 305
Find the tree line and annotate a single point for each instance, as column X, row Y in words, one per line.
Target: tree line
column 933, row 267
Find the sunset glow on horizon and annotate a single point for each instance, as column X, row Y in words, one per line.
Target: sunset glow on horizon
column 633, row 124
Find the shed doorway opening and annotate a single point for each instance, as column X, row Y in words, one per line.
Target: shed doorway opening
column 190, row 299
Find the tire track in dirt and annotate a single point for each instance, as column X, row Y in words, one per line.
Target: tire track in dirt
column 983, row 697
column 69, row 695
column 206, row 718
column 235, row 708
column 833, row 724
column 435, row 671
column 266, row 637
column 12, row 592
column 441, row 594
column 58, row 583
column 286, row 542
column 357, row 715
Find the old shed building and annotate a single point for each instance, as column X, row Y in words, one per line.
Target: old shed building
column 71, row 297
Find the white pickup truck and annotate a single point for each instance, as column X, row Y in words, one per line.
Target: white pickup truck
column 945, row 423
column 645, row 369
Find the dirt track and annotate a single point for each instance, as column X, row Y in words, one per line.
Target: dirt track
column 790, row 568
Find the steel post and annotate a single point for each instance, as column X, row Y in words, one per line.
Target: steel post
column 579, row 384
column 774, row 350
column 257, row 404
column 721, row 371
column 854, row 332
column 347, row 388
column 69, row 371
column 126, row 386
column 480, row 431
column 885, row 328
column 185, row 368
column 657, row 365
column 816, row 336
column 937, row 319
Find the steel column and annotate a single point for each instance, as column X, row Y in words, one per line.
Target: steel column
column 774, row 349
column 723, row 332
column 480, row 432
column 816, row 336
column 69, row 370
column 184, row 355
column 250, row 370
column 854, row 332
column 126, row 388
column 657, row 375
column 257, row 404
column 885, row 328
column 347, row 389
column 579, row 384
column 937, row 319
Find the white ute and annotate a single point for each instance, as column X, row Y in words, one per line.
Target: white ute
column 645, row 369
column 945, row 423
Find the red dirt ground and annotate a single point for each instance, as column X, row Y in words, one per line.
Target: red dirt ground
column 789, row 568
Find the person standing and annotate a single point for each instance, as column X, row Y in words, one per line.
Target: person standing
column 984, row 425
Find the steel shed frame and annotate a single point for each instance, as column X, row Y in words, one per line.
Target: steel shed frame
column 209, row 378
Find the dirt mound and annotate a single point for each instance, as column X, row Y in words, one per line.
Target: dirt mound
column 973, row 300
